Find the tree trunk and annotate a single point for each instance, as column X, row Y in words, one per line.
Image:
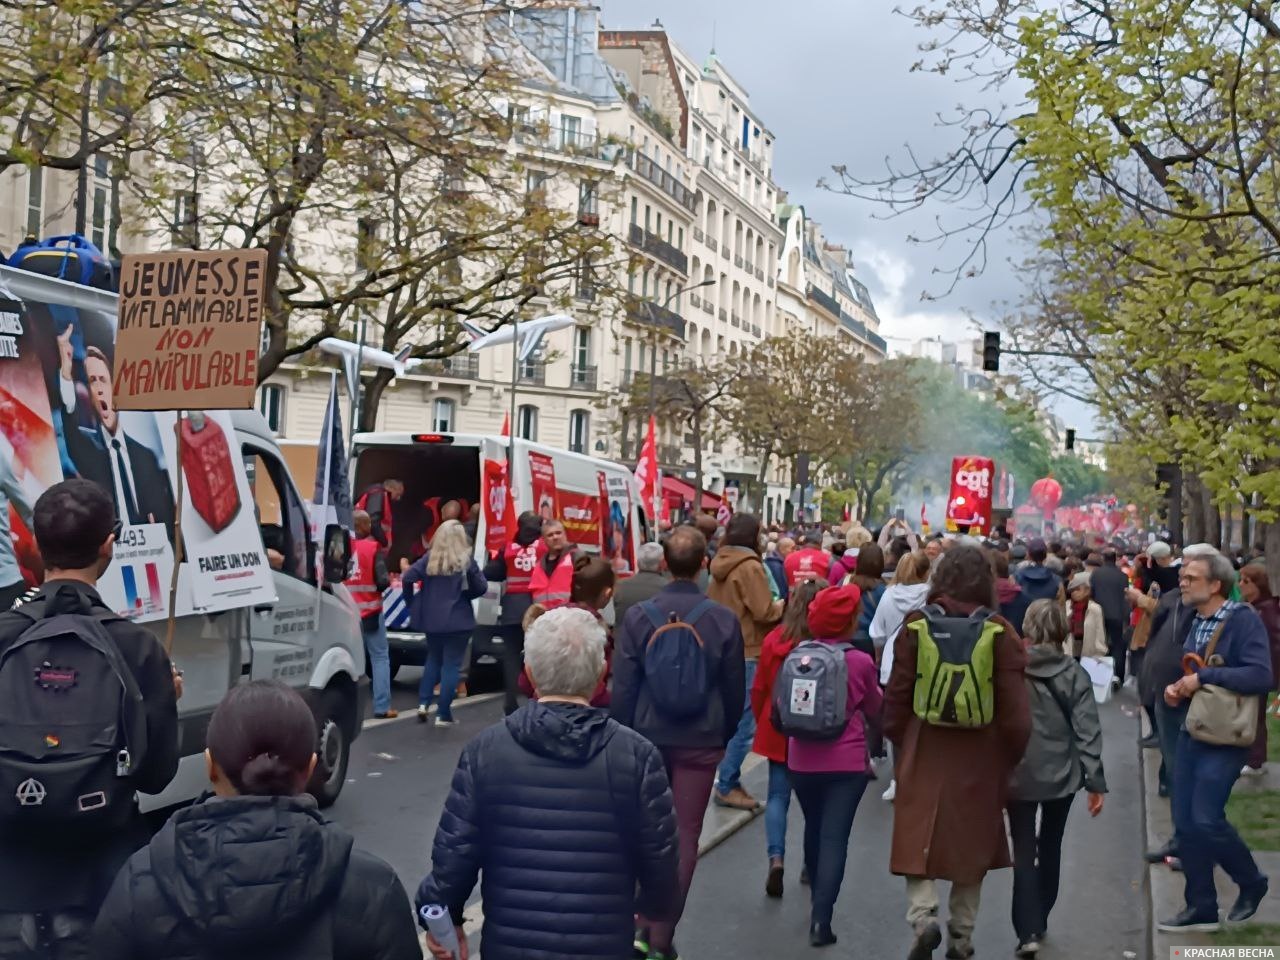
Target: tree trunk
column 1268, row 535
column 1212, row 519
column 1194, row 502
column 371, row 397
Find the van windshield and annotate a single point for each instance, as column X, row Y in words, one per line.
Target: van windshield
column 438, row 480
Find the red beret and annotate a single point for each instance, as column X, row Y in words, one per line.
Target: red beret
column 832, row 611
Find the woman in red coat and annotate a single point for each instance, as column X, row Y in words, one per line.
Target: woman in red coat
column 769, row 743
column 1255, row 590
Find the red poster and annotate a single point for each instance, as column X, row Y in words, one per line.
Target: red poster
column 499, row 510
column 542, row 474
column 581, row 516
column 970, row 502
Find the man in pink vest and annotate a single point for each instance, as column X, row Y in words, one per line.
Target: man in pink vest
column 367, row 582
column 552, row 579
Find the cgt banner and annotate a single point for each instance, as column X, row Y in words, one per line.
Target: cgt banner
column 581, row 516
column 499, row 510
column 542, row 476
column 971, row 490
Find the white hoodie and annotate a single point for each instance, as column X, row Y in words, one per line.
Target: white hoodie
column 897, row 602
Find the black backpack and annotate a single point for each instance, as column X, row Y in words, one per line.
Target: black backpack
column 72, row 720
column 676, row 672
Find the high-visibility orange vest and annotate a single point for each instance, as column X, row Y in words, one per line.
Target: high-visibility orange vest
column 362, row 586
column 554, row 590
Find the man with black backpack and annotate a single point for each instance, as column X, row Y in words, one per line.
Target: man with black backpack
column 679, row 679
column 88, row 717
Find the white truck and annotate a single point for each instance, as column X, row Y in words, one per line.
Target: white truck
column 248, row 602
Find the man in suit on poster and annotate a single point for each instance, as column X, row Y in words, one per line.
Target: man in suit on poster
column 103, row 453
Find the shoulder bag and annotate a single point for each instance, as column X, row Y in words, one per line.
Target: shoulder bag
column 1219, row 716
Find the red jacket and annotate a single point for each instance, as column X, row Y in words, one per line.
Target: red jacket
column 807, row 564
column 521, row 562
column 376, row 502
column 769, row 742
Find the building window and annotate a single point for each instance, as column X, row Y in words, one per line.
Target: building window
column 35, row 201
column 271, row 406
column 103, row 187
column 186, row 219
column 570, row 131
column 527, row 422
column 579, row 430
column 634, row 209
column 582, row 347
column 588, row 203
column 535, row 184
column 367, row 230
column 626, row 355
column 585, row 281
column 442, row 412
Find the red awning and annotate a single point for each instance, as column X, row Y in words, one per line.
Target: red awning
column 679, row 493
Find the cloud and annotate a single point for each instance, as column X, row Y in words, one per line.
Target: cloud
column 896, row 293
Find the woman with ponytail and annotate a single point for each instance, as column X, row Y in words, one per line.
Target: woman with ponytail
column 255, row 870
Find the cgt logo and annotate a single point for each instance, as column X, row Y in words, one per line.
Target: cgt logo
column 498, row 500
column 975, row 481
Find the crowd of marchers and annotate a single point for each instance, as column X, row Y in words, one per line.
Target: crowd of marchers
column 973, row 668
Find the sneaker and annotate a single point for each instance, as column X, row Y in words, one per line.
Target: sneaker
column 422, row 713
column 445, row 722
column 1027, row 948
column 1150, row 742
column 640, row 946
column 773, row 883
column 1247, row 903
column 1254, row 771
column 1190, row 921
column 389, row 715
column 821, row 935
column 1174, row 864
column 1160, row 854
column 891, row 792
column 659, row 955
column 928, row 939
column 735, row 799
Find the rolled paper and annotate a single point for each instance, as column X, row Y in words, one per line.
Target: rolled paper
column 440, row 926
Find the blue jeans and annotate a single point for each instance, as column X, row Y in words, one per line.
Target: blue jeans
column 1203, row 778
column 1168, row 726
column 729, row 775
column 829, row 802
column 775, row 811
column 444, row 666
column 374, row 632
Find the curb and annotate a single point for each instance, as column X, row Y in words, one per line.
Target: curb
column 1148, row 888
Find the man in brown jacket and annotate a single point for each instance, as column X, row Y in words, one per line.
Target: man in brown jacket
column 740, row 582
column 948, row 816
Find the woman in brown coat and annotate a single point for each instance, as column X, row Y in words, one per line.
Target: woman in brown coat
column 948, row 816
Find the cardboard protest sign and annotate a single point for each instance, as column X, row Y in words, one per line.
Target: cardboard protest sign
column 188, row 330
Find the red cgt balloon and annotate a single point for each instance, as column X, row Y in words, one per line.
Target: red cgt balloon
column 1046, row 493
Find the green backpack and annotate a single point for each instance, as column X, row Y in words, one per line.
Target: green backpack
column 955, row 668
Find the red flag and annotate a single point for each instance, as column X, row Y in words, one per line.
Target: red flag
column 506, row 425
column 847, row 515
column 924, row 519
column 647, row 471
column 724, row 513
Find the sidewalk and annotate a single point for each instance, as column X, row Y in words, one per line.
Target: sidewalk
column 1165, row 886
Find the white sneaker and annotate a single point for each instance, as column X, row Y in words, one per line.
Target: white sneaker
column 1251, row 772
column 441, row 722
column 891, row 792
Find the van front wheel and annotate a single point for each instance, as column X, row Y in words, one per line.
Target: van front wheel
column 333, row 748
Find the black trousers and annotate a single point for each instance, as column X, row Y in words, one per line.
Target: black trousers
column 1116, row 645
column 512, row 664
column 829, row 802
column 1037, row 861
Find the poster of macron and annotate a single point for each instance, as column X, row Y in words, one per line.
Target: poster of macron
column 188, row 329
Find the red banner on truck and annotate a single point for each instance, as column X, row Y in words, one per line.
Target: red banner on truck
column 542, row 476
column 971, row 488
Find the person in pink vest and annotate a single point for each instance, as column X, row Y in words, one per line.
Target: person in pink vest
column 368, row 580
column 552, row 582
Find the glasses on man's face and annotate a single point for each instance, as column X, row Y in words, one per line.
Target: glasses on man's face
column 1190, row 578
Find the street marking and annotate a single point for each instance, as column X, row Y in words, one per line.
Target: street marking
column 412, row 714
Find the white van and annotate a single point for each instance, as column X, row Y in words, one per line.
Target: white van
column 597, row 500
column 288, row 628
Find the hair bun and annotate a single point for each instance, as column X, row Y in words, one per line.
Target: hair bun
column 266, row 775
column 581, row 561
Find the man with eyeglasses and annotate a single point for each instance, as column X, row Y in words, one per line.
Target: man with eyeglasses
column 52, row 881
column 1204, row 774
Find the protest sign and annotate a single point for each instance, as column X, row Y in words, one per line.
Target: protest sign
column 188, row 330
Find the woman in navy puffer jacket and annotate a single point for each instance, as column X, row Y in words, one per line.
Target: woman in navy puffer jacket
column 564, row 813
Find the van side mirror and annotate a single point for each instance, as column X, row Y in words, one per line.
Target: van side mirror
column 337, row 553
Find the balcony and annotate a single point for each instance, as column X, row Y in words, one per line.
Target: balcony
column 760, row 275
column 769, row 280
column 698, row 234
column 738, row 262
column 748, row 266
column 725, row 251
column 737, row 320
column 714, row 244
column 582, row 377
column 695, row 300
column 755, row 331
column 724, row 314
column 708, row 307
column 463, row 366
column 646, row 313
column 656, row 247
column 573, row 142
column 854, row 326
column 878, row 342
column 664, row 181
column 824, row 300
column 534, row 372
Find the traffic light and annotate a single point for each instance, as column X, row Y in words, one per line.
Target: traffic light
column 1071, row 439
column 991, row 351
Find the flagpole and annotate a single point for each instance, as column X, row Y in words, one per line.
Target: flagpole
column 320, row 519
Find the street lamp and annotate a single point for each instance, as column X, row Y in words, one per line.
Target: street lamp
column 653, row 352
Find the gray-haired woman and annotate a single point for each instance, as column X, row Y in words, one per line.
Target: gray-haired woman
column 1063, row 755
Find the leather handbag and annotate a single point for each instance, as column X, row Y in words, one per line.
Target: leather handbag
column 1219, row 716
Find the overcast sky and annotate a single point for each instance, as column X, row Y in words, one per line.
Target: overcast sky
column 832, row 80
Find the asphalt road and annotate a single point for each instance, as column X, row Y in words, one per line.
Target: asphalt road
column 399, row 777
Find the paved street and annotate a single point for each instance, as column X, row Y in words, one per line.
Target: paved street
column 399, row 777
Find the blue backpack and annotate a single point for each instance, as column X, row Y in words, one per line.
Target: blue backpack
column 70, row 257
column 676, row 672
